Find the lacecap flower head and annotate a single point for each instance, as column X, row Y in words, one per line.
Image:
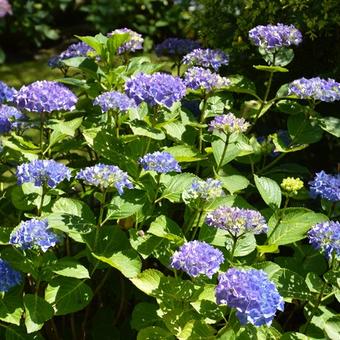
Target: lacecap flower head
column 105, row 176
column 197, row 258
column 325, row 185
column 325, row 236
column 204, row 191
column 254, row 296
column 161, row 162
column 43, row 172
column 6, row 93
column 9, row 118
column 9, row 277
column 33, row 234
column 291, row 185
column 206, row 58
column 176, row 47
column 133, row 44
column 45, row 96
column 228, row 123
column 114, row 100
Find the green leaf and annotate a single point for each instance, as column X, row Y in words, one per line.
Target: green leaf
column 185, row 153
column 141, row 128
column 269, row 190
column 234, row 183
column 165, row 227
column 302, row 130
column 332, row 327
column 148, row 281
column 11, row 308
column 240, row 84
column 196, row 329
column 144, row 315
column 314, row 282
column 154, row 333
column 245, row 245
column 294, row 336
column 95, row 42
column 70, row 268
column 19, row 333
column 283, row 56
column 330, row 125
column 270, row 68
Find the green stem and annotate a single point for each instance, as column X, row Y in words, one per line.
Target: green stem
column 286, row 202
column 197, row 224
column 100, row 219
column 191, row 221
column 223, row 153
column 200, row 132
column 158, row 180
column 41, row 204
column 235, row 238
column 41, row 136
column 117, row 124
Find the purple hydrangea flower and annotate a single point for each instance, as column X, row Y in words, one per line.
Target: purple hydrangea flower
column 155, row 89
column 33, row 233
column 254, row 296
column 275, row 36
column 135, row 43
column 196, row 258
column 325, row 185
column 161, row 162
column 9, row 118
column 45, row 96
column 228, row 123
column 205, row 190
column 315, row 88
column 5, row 8
column 9, row 277
column 41, row 172
column 237, row 221
column 175, row 47
column 201, row 78
column 105, row 176
column 326, row 237
column 114, row 100
column 206, row 58
column 6, row 93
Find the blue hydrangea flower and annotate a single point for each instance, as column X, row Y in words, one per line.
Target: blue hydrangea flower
column 315, row 88
column 9, row 118
column 228, row 123
column 237, row 221
column 114, row 100
column 205, row 191
column 196, row 258
column 254, row 296
column 325, row 185
column 176, row 47
column 135, row 43
column 155, row 89
column 201, row 78
column 45, row 96
column 9, row 277
column 6, row 93
column 275, row 36
column 105, row 176
column 43, row 172
column 161, row 162
column 206, row 58
column 33, row 233
column 326, row 237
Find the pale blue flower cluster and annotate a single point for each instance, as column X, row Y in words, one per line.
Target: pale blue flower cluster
column 161, row 162
column 9, row 277
column 205, row 191
column 325, row 185
column 42, row 172
column 135, row 43
column 33, row 234
column 10, row 118
column 176, row 47
column 228, row 123
column 197, row 258
column 254, row 296
column 206, row 58
column 45, row 96
column 6, row 93
column 114, row 100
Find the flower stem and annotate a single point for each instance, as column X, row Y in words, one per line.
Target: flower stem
column 41, row 136
column 223, row 154
column 197, row 224
column 41, row 204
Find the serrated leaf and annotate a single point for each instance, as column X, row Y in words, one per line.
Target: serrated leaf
column 166, row 228
column 70, row 268
column 148, row 281
column 234, row 183
column 11, row 308
column 185, row 153
column 269, row 190
column 330, row 125
column 154, row 333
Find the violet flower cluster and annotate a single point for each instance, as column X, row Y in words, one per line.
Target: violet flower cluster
column 315, row 88
column 176, row 47
column 272, row 37
column 9, row 118
column 197, row 258
column 5, row 8
column 105, row 176
column 206, row 58
column 9, row 277
column 161, row 162
column 114, row 100
column 6, row 93
column 33, row 234
column 237, row 221
column 135, row 43
column 45, row 96
column 155, row 89
column 204, row 191
column 42, row 172
column 325, row 185
column 254, row 296
column 228, row 123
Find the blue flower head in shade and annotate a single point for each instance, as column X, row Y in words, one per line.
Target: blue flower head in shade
column 197, row 258
column 325, row 236
column 228, row 123
column 237, row 221
column 114, row 100
column 133, row 44
column 254, row 296
column 33, row 234
column 161, row 162
column 6, row 93
column 45, row 96
column 9, row 277
column 43, row 172
column 206, row 58
column 105, row 176
column 176, row 47
column 325, row 185
column 155, row 89
column 10, row 118
column 204, row 191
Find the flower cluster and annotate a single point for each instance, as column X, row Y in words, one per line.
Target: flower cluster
column 228, row 123
column 254, row 296
column 205, row 191
column 105, row 176
column 237, row 221
column 5, row 8
column 161, row 162
column 6, row 93
column 135, row 43
column 42, row 172
column 9, row 118
column 175, row 47
column 33, row 234
column 291, row 185
column 196, row 258
column 326, row 237
column 315, row 88
column 45, row 96
column 8, row 277
column 206, row 58
column 272, row 37
column 114, row 100
column 158, row 88
column 325, row 185
column 201, row 78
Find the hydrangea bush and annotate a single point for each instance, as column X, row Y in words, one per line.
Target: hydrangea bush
column 146, row 204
